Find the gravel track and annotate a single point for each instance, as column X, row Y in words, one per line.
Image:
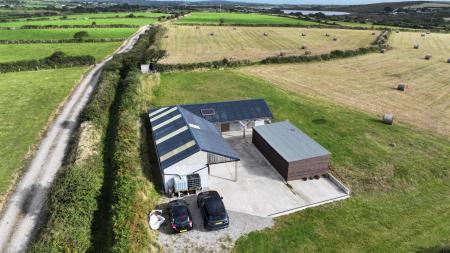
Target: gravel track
column 22, row 211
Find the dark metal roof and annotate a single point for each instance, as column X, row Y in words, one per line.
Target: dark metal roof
column 290, row 142
column 231, row 111
column 179, row 134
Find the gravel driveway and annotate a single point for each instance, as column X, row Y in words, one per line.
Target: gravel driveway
column 201, row 240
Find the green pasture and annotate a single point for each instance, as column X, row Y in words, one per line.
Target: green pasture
column 49, row 34
column 28, row 99
column 16, row 52
column 82, row 21
column 240, row 18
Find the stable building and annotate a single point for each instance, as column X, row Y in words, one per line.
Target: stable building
column 291, row 152
column 186, row 144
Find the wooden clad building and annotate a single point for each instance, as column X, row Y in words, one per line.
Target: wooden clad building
column 291, row 152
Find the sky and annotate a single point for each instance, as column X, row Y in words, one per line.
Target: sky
column 346, row 2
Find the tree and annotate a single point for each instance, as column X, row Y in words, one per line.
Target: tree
column 388, row 9
column 94, row 23
column 221, row 21
column 80, row 35
column 153, row 55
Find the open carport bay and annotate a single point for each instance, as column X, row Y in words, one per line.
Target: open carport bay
column 260, row 190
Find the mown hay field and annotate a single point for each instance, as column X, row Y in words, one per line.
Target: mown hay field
column 28, row 99
column 188, row 44
column 17, row 52
column 55, row 34
column 240, row 18
column 368, row 82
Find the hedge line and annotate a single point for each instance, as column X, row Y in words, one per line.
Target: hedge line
column 76, row 195
column 56, row 60
column 378, row 44
column 56, row 41
column 129, row 209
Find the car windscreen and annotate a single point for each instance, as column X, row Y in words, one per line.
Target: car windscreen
column 214, row 209
column 180, row 214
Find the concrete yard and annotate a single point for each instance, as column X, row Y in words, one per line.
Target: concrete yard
column 260, row 190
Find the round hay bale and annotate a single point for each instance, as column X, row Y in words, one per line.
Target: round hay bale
column 334, row 39
column 166, row 36
column 397, row 31
column 448, row 60
column 307, row 52
column 382, row 50
column 327, row 34
column 428, row 57
column 423, row 35
column 402, row 87
column 211, row 34
column 373, row 33
column 388, row 119
column 304, row 47
column 265, row 34
column 303, row 34
column 416, row 46
column 428, row 32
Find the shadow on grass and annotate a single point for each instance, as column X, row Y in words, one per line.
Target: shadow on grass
column 435, row 249
column 148, row 155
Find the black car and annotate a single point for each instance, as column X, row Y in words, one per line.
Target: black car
column 180, row 217
column 213, row 211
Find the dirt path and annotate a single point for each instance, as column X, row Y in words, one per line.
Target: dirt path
column 22, row 211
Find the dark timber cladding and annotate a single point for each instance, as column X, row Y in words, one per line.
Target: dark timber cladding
column 293, row 153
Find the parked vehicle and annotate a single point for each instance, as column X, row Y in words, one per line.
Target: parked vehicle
column 213, row 210
column 180, row 216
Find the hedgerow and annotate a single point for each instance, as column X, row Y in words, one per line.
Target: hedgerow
column 56, row 60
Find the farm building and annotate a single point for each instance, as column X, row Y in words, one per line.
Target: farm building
column 187, row 139
column 233, row 115
column 290, row 151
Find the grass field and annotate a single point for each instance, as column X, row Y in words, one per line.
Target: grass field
column 239, row 18
column 47, row 34
column 186, row 44
column 86, row 21
column 395, row 187
column 38, row 51
column 27, row 100
column 367, row 82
